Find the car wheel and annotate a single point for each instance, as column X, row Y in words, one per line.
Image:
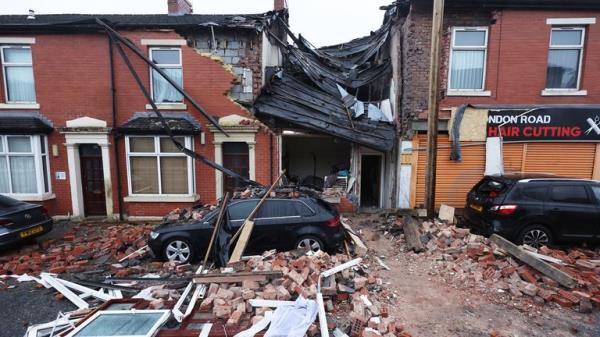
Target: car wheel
column 178, row 250
column 310, row 242
column 536, row 236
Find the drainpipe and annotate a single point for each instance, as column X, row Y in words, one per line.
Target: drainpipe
column 113, row 92
column 271, row 156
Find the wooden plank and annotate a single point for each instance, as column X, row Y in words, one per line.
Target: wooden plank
column 359, row 247
column 237, row 277
column 411, row 234
column 215, row 230
column 247, row 228
column 543, row 267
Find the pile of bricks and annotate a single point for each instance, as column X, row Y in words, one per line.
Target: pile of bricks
column 354, row 298
column 84, row 247
column 473, row 259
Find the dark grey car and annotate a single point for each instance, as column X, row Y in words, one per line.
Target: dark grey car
column 21, row 220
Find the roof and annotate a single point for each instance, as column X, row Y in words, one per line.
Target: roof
column 129, row 21
column 179, row 125
column 12, row 124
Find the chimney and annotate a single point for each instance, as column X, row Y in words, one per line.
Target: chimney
column 179, row 7
column 31, row 15
column 279, row 5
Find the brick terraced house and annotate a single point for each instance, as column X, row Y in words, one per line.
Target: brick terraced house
column 526, row 69
column 78, row 136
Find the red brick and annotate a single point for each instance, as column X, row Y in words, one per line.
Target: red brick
column 57, row 270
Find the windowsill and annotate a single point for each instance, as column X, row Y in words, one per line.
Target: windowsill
column 168, row 106
column 485, row 93
column 161, row 198
column 19, row 106
column 558, row 92
column 32, row 197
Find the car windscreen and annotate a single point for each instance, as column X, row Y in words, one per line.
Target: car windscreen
column 7, row 202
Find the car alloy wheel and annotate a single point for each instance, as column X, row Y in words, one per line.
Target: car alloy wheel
column 178, row 251
column 309, row 244
column 536, row 238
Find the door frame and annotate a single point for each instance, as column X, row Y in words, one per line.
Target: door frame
column 381, row 175
column 84, row 174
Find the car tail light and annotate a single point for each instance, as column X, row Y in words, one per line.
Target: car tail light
column 5, row 222
column 493, row 194
column 504, row 209
column 333, row 222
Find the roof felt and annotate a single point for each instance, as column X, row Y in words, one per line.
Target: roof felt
column 132, row 21
column 23, row 124
column 152, row 125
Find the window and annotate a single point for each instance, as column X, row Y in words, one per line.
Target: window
column 169, row 60
column 530, row 193
column 241, row 210
column 564, row 58
column 24, row 165
column 596, row 190
column 140, row 323
column 18, row 74
column 570, row 194
column 467, row 59
column 156, row 166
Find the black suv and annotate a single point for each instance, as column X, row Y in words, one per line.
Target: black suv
column 282, row 224
column 535, row 209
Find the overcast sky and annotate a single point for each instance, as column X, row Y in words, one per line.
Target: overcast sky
column 323, row 22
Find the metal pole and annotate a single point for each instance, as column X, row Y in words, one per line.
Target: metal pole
column 432, row 116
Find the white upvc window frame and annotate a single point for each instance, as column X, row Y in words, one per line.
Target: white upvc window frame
column 38, row 157
column 172, row 66
column 567, row 91
column 468, row 92
column 151, row 332
column 157, row 154
column 5, row 65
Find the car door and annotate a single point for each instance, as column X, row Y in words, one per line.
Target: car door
column 595, row 188
column 276, row 222
column 572, row 210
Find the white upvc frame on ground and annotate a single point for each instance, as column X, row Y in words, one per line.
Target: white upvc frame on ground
column 146, row 197
column 40, row 156
column 468, row 92
column 567, row 91
column 12, row 64
column 151, row 331
column 163, row 66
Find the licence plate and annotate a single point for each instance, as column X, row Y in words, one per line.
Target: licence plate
column 476, row 207
column 31, row 231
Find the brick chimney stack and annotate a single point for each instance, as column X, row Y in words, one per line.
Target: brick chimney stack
column 179, row 7
column 279, row 5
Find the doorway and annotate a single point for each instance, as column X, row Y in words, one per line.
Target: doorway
column 370, row 181
column 92, row 179
column 236, row 158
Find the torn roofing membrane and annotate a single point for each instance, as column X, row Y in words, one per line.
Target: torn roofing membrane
column 317, row 89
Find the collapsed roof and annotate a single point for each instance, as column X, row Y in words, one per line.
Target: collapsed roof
column 340, row 90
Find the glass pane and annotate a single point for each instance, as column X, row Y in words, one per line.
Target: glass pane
column 167, row 146
column 125, row 324
column 19, row 144
column 17, row 55
column 467, row 69
column 277, row 208
column 566, row 37
column 141, row 144
column 241, row 210
column 563, row 68
column 144, row 175
column 19, row 82
column 163, row 91
column 4, row 187
column 1, row 144
column 570, row 194
column 469, row 39
column 174, row 175
column 23, row 175
column 165, row 56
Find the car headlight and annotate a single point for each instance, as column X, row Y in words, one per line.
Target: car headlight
column 153, row 235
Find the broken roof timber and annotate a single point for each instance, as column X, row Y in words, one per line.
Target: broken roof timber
column 302, row 105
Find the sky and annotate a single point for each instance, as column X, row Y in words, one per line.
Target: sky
column 323, row 22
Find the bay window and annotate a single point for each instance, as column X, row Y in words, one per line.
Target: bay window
column 17, row 70
column 168, row 60
column 24, row 165
column 467, row 59
column 564, row 58
column 157, row 167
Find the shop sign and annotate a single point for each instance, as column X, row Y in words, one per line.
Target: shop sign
column 545, row 124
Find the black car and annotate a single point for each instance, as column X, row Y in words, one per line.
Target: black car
column 282, row 224
column 21, row 220
column 535, row 209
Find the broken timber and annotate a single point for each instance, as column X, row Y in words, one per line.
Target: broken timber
column 411, row 234
column 238, row 277
column 559, row 276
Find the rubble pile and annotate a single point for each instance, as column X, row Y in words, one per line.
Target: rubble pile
column 85, row 247
column 355, row 298
column 473, row 261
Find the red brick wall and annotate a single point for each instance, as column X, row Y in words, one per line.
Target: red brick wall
column 72, row 80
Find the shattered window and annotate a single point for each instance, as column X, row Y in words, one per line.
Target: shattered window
column 169, row 61
column 467, row 59
column 122, row 323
